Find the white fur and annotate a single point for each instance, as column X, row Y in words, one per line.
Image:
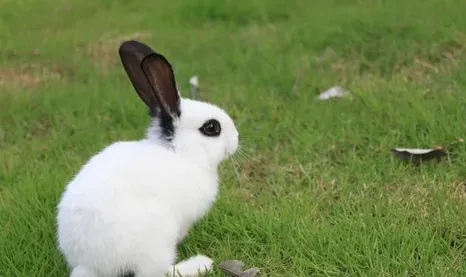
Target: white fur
column 132, row 203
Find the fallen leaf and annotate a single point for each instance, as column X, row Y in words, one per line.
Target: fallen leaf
column 417, row 154
column 333, row 92
column 232, row 265
column 234, row 268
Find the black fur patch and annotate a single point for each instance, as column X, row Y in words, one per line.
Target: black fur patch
column 165, row 123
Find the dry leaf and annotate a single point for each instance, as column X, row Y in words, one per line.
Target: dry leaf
column 417, row 154
column 234, row 268
column 333, row 92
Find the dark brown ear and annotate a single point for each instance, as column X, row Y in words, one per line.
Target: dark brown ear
column 152, row 77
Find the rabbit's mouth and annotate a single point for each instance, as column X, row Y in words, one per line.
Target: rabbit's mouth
column 228, row 153
column 232, row 147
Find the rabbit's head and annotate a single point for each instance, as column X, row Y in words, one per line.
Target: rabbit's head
column 201, row 130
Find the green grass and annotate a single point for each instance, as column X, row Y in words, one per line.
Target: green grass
column 319, row 194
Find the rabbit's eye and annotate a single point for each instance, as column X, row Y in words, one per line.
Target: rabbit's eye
column 211, row 128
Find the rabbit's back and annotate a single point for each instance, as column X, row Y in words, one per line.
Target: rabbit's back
column 130, row 196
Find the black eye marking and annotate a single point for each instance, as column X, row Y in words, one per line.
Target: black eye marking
column 211, row 128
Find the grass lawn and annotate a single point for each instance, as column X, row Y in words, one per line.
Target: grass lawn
column 318, row 192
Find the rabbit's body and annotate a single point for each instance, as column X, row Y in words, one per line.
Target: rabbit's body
column 128, row 200
column 130, row 205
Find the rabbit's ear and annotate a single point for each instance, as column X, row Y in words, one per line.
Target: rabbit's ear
column 152, row 77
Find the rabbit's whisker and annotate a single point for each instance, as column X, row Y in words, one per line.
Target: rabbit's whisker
column 234, row 162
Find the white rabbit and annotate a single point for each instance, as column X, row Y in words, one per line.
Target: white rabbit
column 129, row 206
